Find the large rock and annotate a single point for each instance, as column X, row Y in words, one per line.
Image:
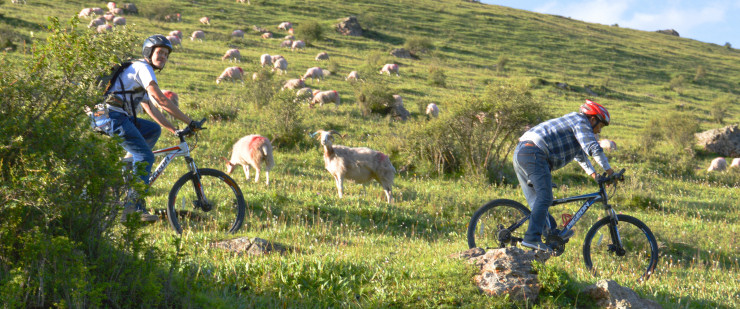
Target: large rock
column 401, row 53
column 508, row 271
column 609, row 294
column 349, row 26
column 724, row 141
column 668, row 32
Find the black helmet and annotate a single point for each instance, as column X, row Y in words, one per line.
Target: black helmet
column 154, row 41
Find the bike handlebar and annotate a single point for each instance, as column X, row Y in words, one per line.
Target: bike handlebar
column 613, row 178
column 190, row 130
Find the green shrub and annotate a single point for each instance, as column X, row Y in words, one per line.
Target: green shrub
column 720, row 107
column 677, row 83
column 437, row 77
column 477, row 133
column 501, row 63
column 374, row 96
column 700, row 73
column 418, row 45
column 284, row 120
column 310, row 31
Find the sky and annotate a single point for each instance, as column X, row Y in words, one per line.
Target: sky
column 710, row 21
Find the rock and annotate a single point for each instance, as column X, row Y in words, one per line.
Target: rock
column 609, row 294
column 349, row 26
column 508, row 271
column 399, row 111
column 724, row 141
column 254, row 246
column 401, row 53
column 668, row 32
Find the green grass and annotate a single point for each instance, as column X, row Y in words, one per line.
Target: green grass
column 360, row 252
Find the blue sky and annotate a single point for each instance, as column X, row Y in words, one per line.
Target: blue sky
column 711, row 21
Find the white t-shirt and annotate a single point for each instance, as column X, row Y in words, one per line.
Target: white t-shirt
column 138, row 75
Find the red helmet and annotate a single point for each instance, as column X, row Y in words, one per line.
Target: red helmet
column 592, row 108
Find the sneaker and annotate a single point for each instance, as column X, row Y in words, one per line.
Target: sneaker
column 537, row 246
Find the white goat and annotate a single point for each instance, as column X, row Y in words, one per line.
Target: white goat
column 252, row 150
column 358, row 164
column 432, row 110
column 718, row 164
column 735, row 163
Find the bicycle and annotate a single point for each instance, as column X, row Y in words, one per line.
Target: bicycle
column 611, row 245
column 214, row 201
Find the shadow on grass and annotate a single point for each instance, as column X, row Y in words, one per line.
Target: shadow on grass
column 685, row 254
column 382, row 37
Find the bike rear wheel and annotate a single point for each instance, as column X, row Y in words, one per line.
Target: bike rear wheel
column 497, row 223
column 637, row 257
column 187, row 211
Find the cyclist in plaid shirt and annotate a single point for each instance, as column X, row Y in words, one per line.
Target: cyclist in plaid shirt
column 550, row 146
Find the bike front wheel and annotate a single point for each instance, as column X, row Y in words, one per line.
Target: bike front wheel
column 624, row 248
column 497, row 224
column 211, row 202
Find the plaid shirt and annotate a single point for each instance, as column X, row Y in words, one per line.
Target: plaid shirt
column 567, row 138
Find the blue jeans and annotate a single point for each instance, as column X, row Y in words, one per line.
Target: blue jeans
column 530, row 164
column 138, row 139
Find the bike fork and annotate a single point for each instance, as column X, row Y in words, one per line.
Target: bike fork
column 201, row 201
column 616, row 245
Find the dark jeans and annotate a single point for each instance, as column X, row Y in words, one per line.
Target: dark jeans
column 530, row 164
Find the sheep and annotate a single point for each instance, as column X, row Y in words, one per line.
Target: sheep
column 237, row 33
column 322, row 97
column 18, row 1
column 244, row 1
column 176, row 33
column 174, row 40
column 232, row 54
column 174, row 98
column 252, row 150
column 432, row 110
column 109, row 16
column 198, row 34
column 286, row 43
column 119, row 21
column 608, row 145
column 86, row 12
column 96, row 22
column 735, row 163
column 314, row 72
column 353, row 76
column 281, row 65
column 290, row 38
column 304, row 95
column 130, row 8
column 294, row 84
column 390, row 68
column 111, row 6
column 265, row 59
column 322, row 56
column 116, row 11
column 276, row 57
column 267, row 35
column 297, row 45
column 205, row 20
column 718, row 164
column 104, row 28
column 358, row 164
column 231, row 73
column 97, row 11
column 285, row 26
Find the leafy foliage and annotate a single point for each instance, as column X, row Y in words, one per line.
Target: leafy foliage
column 310, row 30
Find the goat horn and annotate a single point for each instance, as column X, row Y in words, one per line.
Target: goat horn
column 227, row 160
column 334, row 132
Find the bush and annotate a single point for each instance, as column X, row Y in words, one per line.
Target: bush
column 437, row 77
column 59, row 184
column 501, row 63
column 700, row 73
column 477, row 133
column 310, row 31
column 284, row 120
column 677, row 82
column 720, row 107
column 418, row 45
column 374, row 96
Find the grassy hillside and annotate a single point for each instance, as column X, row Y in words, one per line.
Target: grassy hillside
column 360, row 251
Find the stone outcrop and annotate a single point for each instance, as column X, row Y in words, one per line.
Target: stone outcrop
column 507, row 271
column 668, row 32
column 349, row 26
column 609, row 294
column 254, row 246
column 401, row 53
column 724, row 141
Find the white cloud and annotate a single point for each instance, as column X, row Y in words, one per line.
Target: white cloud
column 596, row 11
column 681, row 20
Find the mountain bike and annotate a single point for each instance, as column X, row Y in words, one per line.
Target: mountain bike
column 203, row 199
column 617, row 243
